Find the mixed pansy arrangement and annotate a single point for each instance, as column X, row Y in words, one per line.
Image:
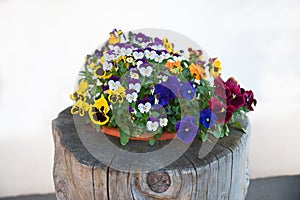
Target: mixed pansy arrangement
column 144, row 84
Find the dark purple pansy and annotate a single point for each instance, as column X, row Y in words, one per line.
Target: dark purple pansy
column 249, row 100
column 186, row 129
column 220, row 88
column 105, row 87
column 152, row 119
column 98, row 53
column 143, row 101
column 163, row 94
column 219, row 109
column 130, row 109
column 207, row 118
column 114, row 78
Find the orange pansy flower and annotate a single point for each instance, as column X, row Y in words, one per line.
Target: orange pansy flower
column 197, row 71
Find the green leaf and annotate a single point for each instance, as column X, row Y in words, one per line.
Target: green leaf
column 239, row 126
column 155, row 114
column 204, row 136
column 148, row 82
column 138, row 114
column 152, row 141
column 124, row 137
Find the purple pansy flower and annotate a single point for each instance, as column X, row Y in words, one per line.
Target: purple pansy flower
column 186, row 129
column 207, row 118
column 249, row 100
column 187, row 90
column 173, row 84
column 140, row 37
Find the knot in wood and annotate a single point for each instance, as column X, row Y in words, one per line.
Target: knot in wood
column 158, row 181
column 61, row 191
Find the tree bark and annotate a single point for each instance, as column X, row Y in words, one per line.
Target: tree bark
column 221, row 174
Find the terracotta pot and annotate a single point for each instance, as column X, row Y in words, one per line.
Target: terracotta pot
column 114, row 132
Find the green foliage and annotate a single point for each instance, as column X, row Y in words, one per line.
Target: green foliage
column 124, row 137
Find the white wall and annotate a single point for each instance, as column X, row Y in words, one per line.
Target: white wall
column 43, row 44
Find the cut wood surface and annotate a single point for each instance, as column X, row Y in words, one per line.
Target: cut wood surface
column 222, row 174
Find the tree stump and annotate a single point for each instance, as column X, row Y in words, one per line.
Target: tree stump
column 221, row 174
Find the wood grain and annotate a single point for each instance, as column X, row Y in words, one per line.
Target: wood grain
column 222, row 173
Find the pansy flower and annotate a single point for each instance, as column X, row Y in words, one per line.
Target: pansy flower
column 223, row 112
column 187, row 90
column 131, row 95
column 80, row 93
column 159, row 58
column 114, row 36
column 113, row 85
column 234, row 95
column 150, row 54
column 138, row 54
column 186, row 129
column 126, row 50
column 116, row 95
column 145, row 69
column 168, row 45
column 249, row 100
column 142, row 38
column 109, row 55
column 99, row 72
column 134, row 84
column 107, row 66
column 163, row 120
column 197, row 71
column 98, row 111
column 215, row 67
column 207, row 118
column 144, row 107
column 152, row 124
column 134, row 74
column 80, row 107
column 170, row 64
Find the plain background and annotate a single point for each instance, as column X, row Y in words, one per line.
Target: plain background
column 43, row 45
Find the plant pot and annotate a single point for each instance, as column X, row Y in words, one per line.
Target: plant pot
column 145, row 137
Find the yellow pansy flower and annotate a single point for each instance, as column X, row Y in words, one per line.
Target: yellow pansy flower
column 80, row 107
column 216, row 68
column 98, row 111
column 114, row 37
column 80, row 93
column 100, row 73
column 168, row 45
column 116, row 95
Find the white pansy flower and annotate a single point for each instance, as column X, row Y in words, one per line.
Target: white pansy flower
column 166, row 55
column 131, row 97
column 114, row 85
column 164, row 78
column 146, row 71
column 138, row 63
column 163, row 122
column 136, row 86
column 150, row 54
column 152, row 126
column 159, row 58
column 144, row 108
column 138, row 55
column 107, row 66
column 117, row 50
column 134, row 75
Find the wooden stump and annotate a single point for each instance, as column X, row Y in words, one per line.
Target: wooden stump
column 221, row 174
